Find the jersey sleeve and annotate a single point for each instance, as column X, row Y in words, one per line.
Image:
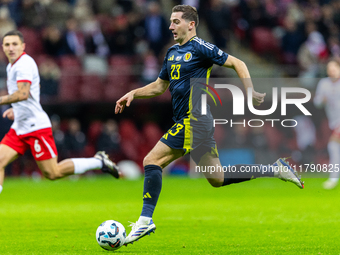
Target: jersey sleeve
column 164, row 71
column 211, row 52
column 24, row 72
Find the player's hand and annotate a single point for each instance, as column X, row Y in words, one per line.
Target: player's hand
column 258, row 98
column 124, row 101
column 8, row 114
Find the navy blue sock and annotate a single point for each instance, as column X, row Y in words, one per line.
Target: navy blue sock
column 241, row 173
column 152, row 189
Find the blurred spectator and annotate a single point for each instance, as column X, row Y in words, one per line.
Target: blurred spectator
column 291, row 42
column 75, row 139
column 74, row 39
column 6, row 23
column 109, row 139
column 326, row 23
column 312, row 52
column 57, row 12
column 126, row 5
column 3, row 74
column 150, row 67
column 59, row 137
column 334, row 47
column 194, row 3
column 218, row 18
column 156, row 28
column 121, row 40
column 294, row 12
column 253, row 15
column 14, row 8
column 95, row 42
column 52, row 41
column 49, row 78
column 33, row 14
column 82, row 10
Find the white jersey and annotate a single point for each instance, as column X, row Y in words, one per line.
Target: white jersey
column 28, row 114
column 328, row 92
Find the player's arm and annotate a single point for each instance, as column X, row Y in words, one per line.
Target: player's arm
column 242, row 72
column 320, row 98
column 20, row 95
column 9, row 113
column 153, row 89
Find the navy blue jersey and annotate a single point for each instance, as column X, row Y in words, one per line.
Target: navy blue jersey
column 194, row 59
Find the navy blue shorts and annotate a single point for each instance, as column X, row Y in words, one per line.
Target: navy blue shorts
column 192, row 136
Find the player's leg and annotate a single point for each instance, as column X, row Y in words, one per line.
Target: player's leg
column 218, row 175
column 334, row 159
column 45, row 153
column 10, row 148
column 7, row 155
column 158, row 158
column 53, row 170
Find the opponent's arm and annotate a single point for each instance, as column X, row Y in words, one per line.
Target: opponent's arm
column 20, row 95
column 153, row 89
column 320, row 98
column 242, row 72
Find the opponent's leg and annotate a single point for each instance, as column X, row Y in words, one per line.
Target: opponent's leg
column 334, row 158
column 7, row 155
column 159, row 157
column 53, row 170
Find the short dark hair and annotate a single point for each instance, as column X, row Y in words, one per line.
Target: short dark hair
column 189, row 13
column 14, row 32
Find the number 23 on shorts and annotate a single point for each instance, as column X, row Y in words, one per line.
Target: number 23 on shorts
column 173, row 130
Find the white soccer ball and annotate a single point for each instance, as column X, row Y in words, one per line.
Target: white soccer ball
column 111, row 235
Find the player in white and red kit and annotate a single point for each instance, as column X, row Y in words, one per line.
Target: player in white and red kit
column 31, row 128
column 328, row 94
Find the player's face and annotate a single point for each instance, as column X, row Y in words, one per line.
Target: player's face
column 333, row 70
column 13, row 47
column 179, row 27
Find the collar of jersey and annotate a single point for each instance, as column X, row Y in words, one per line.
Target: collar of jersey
column 188, row 41
column 18, row 58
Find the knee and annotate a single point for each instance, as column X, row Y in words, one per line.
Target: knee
column 50, row 176
column 148, row 160
column 216, row 182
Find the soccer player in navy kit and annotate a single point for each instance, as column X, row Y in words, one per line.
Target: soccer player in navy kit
column 190, row 58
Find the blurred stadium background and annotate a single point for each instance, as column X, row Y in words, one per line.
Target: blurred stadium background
column 91, row 52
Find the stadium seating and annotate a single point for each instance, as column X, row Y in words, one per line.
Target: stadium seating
column 69, row 62
column 69, row 86
column 263, row 41
column 91, row 88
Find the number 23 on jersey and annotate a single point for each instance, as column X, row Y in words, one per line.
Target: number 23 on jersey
column 175, row 74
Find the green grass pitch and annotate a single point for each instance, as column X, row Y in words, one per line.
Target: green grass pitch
column 263, row 216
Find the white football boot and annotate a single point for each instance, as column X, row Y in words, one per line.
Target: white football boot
column 285, row 172
column 140, row 230
column 330, row 184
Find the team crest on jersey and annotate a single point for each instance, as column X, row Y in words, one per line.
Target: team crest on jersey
column 187, row 56
column 178, row 58
column 171, row 58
